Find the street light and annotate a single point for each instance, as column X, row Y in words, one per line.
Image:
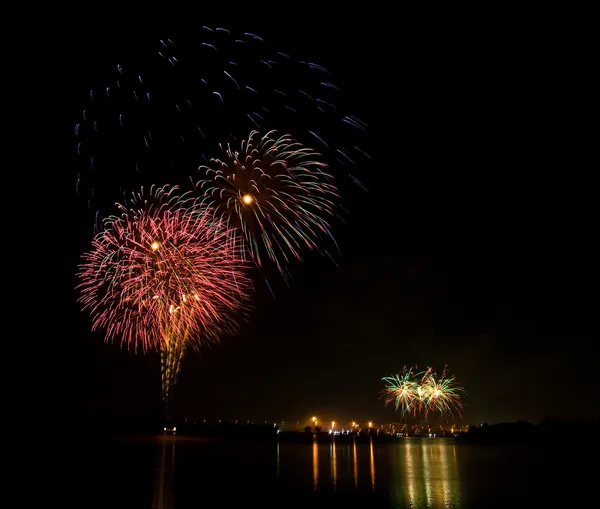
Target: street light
column 370, row 424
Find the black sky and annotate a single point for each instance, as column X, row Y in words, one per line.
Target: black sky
column 475, row 246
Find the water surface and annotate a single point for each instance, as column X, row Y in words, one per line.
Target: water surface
column 177, row 472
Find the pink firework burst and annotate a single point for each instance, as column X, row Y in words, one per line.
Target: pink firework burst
column 163, row 271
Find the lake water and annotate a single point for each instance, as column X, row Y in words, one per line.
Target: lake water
column 177, row 473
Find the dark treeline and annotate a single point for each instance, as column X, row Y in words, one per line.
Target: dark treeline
column 551, row 428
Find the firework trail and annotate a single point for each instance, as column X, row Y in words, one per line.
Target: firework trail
column 273, row 193
column 167, row 107
column 415, row 392
column 171, row 356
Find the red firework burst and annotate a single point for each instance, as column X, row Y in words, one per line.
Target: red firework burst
column 163, row 271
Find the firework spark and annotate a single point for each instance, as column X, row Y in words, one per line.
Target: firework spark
column 423, row 392
column 441, row 395
column 402, row 390
column 274, row 194
column 172, row 102
column 163, row 271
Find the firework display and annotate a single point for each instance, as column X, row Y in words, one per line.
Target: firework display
column 423, row 393
column 169, row 105
column 168, row 270
column 163, row 271
column 274, row 193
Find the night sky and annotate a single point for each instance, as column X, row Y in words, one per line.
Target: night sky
column 474, row 247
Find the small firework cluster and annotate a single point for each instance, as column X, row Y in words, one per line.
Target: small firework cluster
column 416, row 392
column 171, row 269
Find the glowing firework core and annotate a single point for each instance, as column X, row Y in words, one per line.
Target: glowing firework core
column 155, row 245
column 247, row 199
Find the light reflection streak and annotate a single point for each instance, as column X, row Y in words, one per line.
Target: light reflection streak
column 355, row 466
column 333, row 464
column 173, row 454
column 278, row 459
column 315, row 464
column 410, row 475
column 456, row 493
column 372, row 458
column 426, row 476
column 445, row 486
column 163, row 486
column 426, row 473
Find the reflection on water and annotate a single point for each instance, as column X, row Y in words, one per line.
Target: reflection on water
column 277, row 460
column 163, row 486
column 177, row 472
column 422, row 473
column 410, row 476
column 413, row 472
column 355, row 466
column 333, row 464
column 425, row 474
column 339, row 475
column 315, row 463
column 372, row 461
